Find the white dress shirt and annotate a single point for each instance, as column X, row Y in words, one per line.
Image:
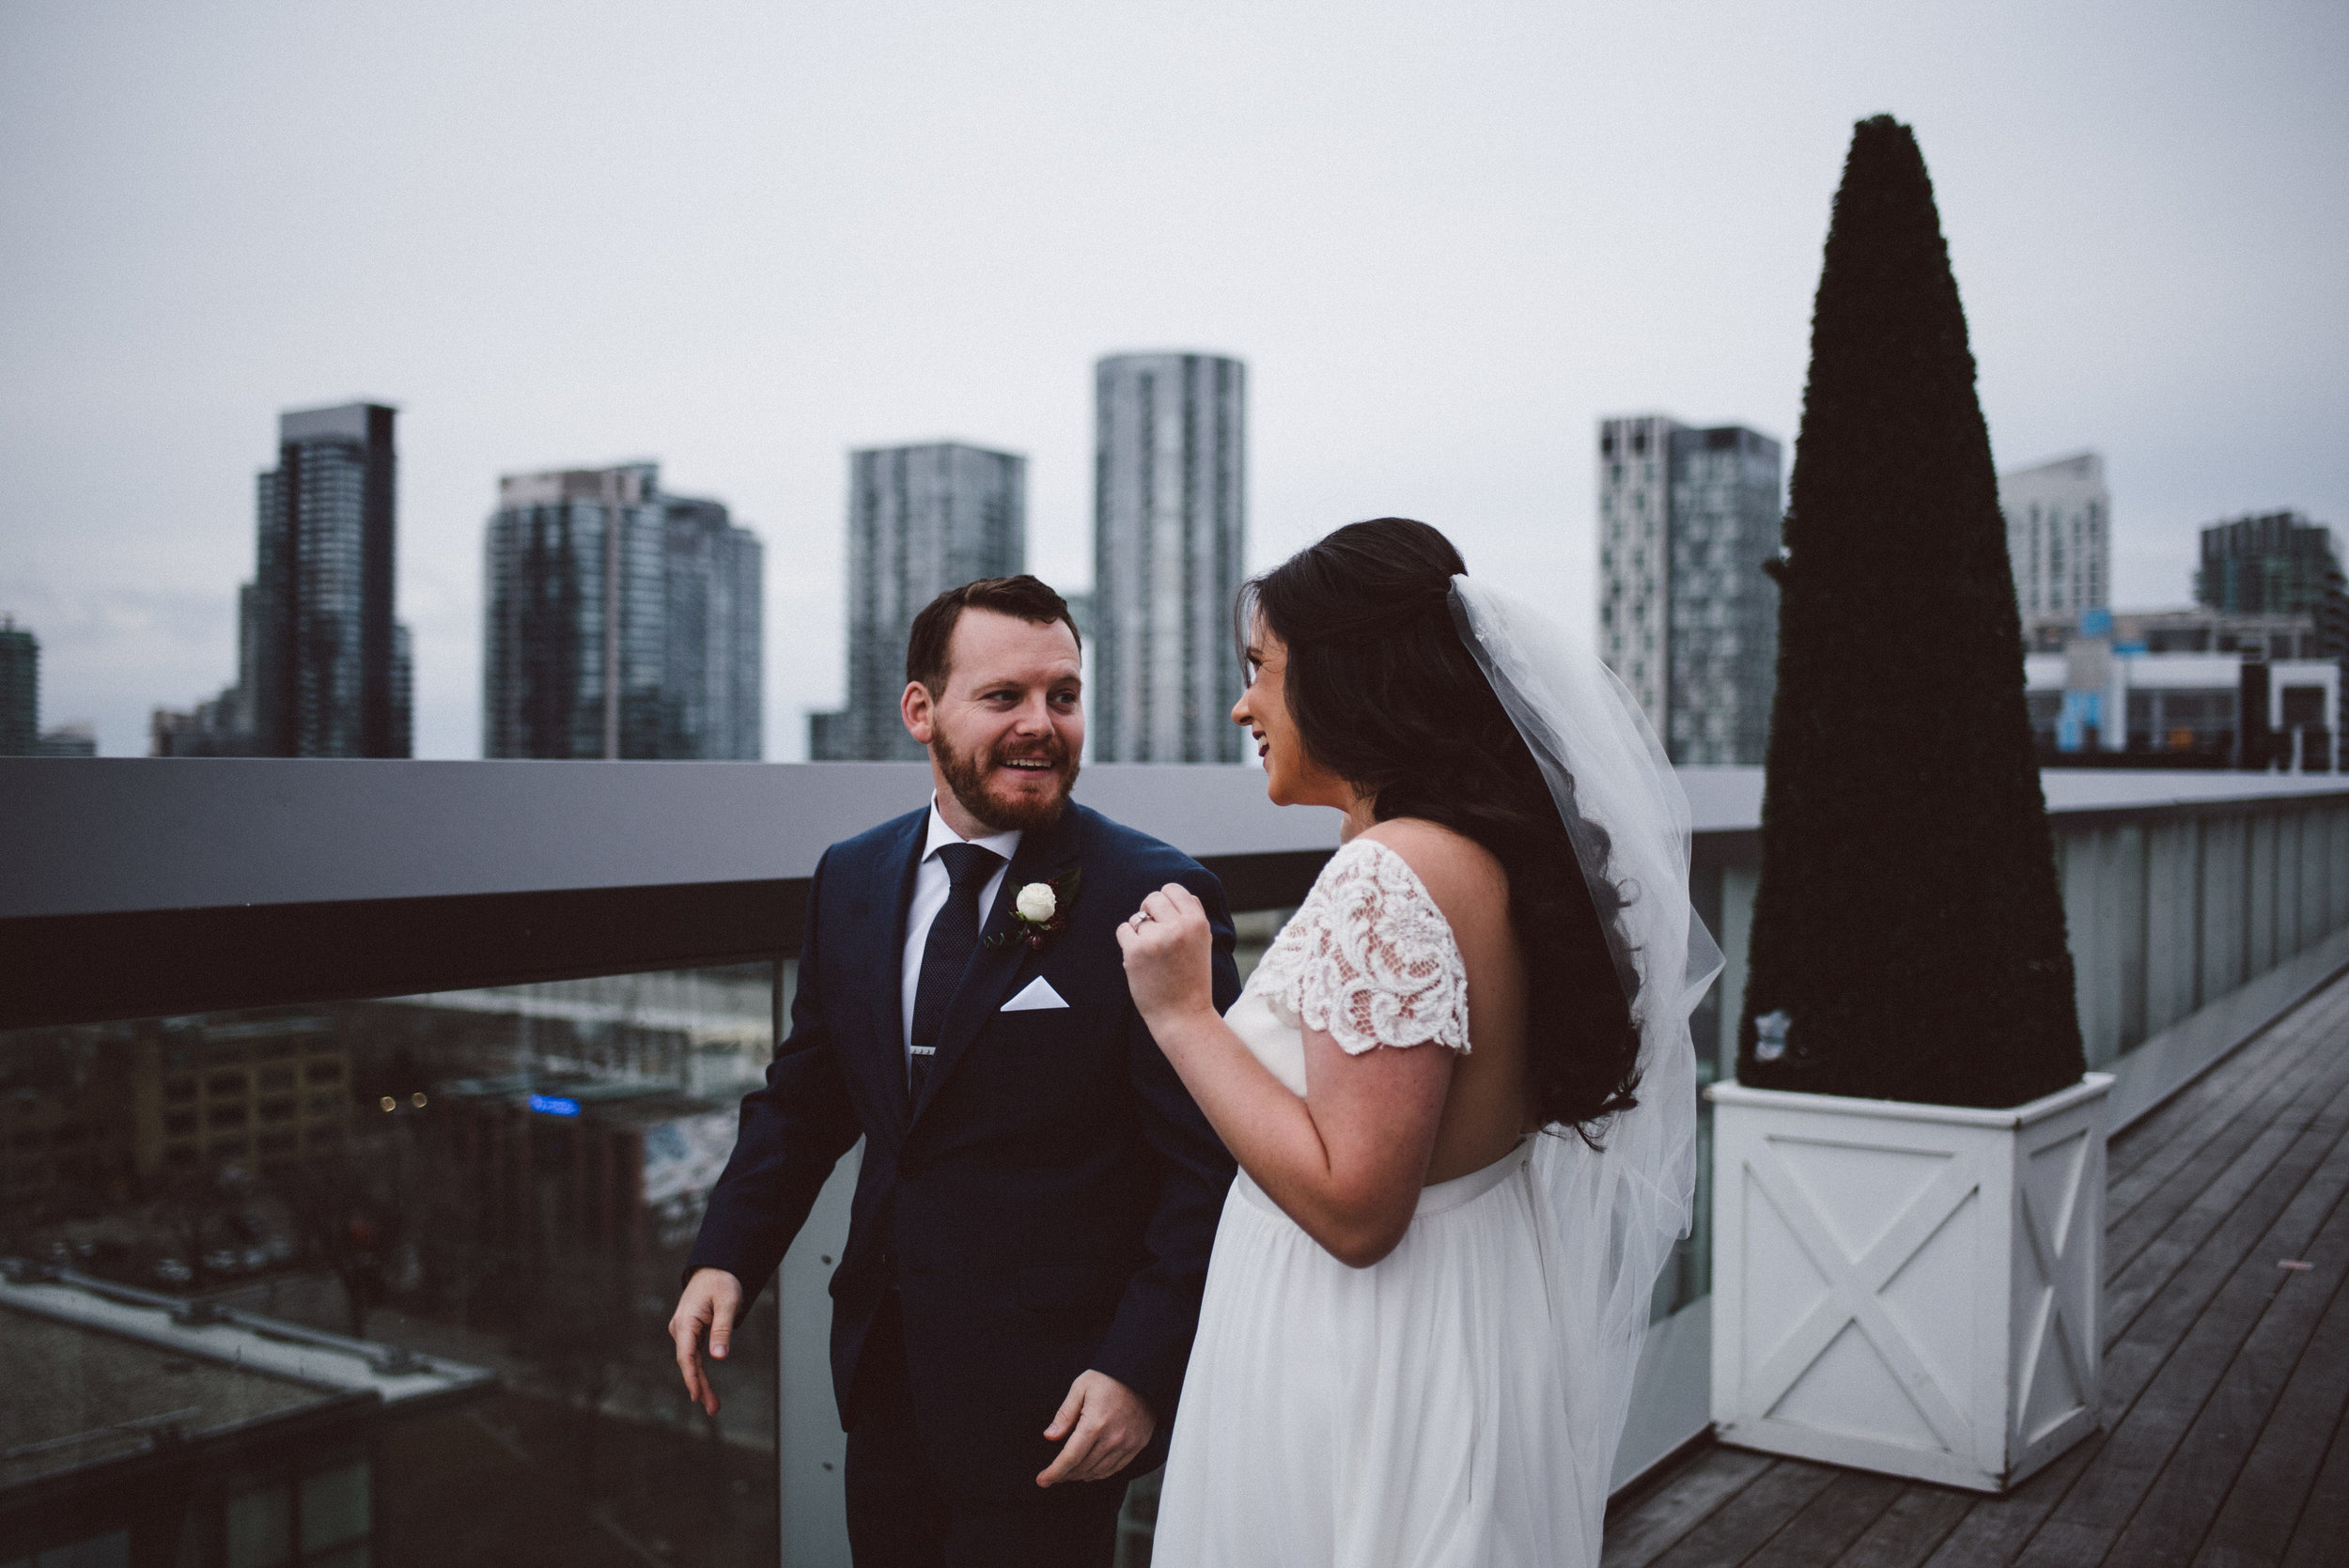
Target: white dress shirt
column 930, row 886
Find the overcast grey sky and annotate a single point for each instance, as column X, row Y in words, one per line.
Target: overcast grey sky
column 742, row 238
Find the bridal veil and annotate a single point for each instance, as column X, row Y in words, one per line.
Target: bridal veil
column 1609, row 1214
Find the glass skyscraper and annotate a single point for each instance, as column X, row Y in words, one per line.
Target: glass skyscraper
column 326, row 677
column 1169, row 535
column 620, row 622
column 921, row 520
column 2275, row 564
column 1686, row 617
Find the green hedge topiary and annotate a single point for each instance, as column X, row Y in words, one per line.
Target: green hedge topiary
column 1908, row 935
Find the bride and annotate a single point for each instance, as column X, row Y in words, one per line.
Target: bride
column 1459, row 1086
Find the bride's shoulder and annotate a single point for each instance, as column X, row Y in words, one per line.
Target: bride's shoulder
column 1458, row 872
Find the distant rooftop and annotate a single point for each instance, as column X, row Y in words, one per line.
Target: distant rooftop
column 346, row 420
column 623, row 484
column 943, row 443
column 2087, row 467
column 98, row 1372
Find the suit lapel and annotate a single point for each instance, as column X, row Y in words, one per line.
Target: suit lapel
column 1043, row 855
column 887, row 982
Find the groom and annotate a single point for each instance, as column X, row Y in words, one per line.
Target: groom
column 1039, row 1194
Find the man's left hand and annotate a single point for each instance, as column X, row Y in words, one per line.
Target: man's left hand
column 1106, row 1424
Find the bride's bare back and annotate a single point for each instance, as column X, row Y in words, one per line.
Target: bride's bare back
column 1486, row 1109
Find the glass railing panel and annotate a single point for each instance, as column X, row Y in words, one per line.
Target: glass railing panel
column 385, row 1282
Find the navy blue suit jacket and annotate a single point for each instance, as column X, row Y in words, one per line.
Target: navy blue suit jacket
column 1050, row 1205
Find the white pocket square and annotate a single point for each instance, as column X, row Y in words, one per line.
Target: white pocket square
column 1036, row 994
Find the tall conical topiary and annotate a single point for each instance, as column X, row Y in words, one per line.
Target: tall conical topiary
column 1908, row 935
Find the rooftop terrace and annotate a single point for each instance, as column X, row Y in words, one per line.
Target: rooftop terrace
column 2225, row 1439
column 149, row 909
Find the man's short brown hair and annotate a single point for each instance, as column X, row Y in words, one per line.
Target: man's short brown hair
column 1030, row 599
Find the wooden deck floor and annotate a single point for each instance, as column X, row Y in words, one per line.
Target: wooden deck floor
column 2225, row 1440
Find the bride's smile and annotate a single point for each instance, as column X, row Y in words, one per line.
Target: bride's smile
column 1292, row 778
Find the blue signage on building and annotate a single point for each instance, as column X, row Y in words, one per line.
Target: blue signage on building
column 2082, row 711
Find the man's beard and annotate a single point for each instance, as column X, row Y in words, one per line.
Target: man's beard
column 966, row 774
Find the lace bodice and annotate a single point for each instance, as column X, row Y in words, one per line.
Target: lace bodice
column 1368, row 958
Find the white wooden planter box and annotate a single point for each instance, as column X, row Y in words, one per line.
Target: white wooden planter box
column 1912, row 1289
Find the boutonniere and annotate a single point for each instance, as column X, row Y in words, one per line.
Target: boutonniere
column 1040, row 910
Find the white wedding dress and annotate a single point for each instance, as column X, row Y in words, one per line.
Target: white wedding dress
column 1457, row 1404
column 1408, row 1413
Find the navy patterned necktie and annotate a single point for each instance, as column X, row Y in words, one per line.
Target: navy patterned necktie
column 953, row 936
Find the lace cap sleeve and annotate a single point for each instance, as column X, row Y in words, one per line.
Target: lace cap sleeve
column 1368, row 958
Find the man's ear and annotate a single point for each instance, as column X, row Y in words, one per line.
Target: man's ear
column 919, row 712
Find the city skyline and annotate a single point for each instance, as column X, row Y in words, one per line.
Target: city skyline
column 1698, row 727
column 1444, row 252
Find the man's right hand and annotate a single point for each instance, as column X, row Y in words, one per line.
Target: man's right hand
column 711, row 1299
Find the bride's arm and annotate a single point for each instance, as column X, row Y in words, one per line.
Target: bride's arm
column 1348, row 1161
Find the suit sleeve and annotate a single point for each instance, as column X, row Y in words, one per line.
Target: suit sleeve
column 1148, row 1344
column 793, row 1132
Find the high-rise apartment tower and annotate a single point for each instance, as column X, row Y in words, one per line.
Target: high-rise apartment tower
column 2058, row 534
column 921, row 520
column 1170, row 528
column 19, row 691
column 1686, row 616
column 620, row 622
column 2273, row 564
column 328, row 677
column 2279, row 563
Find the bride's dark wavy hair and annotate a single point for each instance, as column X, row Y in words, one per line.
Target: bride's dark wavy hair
column 1386, row 695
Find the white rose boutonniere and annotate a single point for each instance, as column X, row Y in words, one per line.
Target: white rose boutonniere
column 1040, row 910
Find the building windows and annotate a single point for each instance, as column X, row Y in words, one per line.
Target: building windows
column 323, row 1521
